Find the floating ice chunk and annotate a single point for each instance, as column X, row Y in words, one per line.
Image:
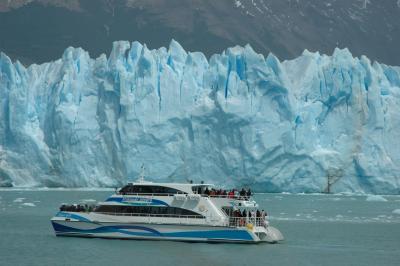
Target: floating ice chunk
column 238, row 3
column 396, row 211
column 347, row 193
column 29, row 204
column 376, row 198
column 19, row 199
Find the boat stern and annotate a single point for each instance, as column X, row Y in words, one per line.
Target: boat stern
column 268, row 234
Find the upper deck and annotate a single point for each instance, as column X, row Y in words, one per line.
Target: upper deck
column 170, row 189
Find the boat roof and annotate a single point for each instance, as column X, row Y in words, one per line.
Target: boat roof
column 186, row 187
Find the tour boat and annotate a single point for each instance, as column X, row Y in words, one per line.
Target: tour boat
column 169, row 211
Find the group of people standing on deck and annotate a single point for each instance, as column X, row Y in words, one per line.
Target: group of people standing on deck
column 76, row 208
column 233, row 193
column 250, row 214
column 242, row 216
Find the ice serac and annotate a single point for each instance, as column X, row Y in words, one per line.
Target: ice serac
column 236, row 119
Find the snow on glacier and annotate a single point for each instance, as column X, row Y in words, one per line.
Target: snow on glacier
column 236, row 118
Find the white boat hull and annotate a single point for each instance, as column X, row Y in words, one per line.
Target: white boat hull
column 176, row 232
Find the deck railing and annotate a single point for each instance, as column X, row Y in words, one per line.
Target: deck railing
column 149, row 194
column 244, row 221
column 238, row 197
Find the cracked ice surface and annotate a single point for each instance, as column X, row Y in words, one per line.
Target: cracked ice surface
column 235, row 119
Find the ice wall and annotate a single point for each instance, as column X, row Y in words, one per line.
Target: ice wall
column 235, row 119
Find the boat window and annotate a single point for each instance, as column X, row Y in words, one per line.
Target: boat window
column 227, row 210
column 199, row 189
column 155, row 190
column 144, row 210
column 125, row 189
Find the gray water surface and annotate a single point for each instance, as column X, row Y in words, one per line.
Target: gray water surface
column 319, row 230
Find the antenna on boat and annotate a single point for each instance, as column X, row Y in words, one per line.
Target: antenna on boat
column 141, row 177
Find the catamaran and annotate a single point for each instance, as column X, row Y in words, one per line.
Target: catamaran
column 169, row 211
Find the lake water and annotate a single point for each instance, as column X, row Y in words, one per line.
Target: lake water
column 319, row 230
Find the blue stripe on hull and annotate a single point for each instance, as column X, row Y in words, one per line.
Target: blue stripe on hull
column 234, row 235
column 73, row 216
column 130, row 201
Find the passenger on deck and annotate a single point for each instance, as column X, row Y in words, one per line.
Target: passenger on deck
column 237, row 217
column 242, row 194
column 263, row 214
column 258, row 213
column 249, row 193
column 235, row 193
column 237, row 213
column 207, row 192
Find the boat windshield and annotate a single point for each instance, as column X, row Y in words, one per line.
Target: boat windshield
column 149, row 190
column 201, row 189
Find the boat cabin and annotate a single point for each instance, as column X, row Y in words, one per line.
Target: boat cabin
column 163, row 189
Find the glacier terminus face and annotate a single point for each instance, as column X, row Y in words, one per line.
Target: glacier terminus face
column 236, row 119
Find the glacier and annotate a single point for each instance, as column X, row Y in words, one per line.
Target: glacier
column 235, row 119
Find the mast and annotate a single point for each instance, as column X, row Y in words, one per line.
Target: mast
column 141, row 176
